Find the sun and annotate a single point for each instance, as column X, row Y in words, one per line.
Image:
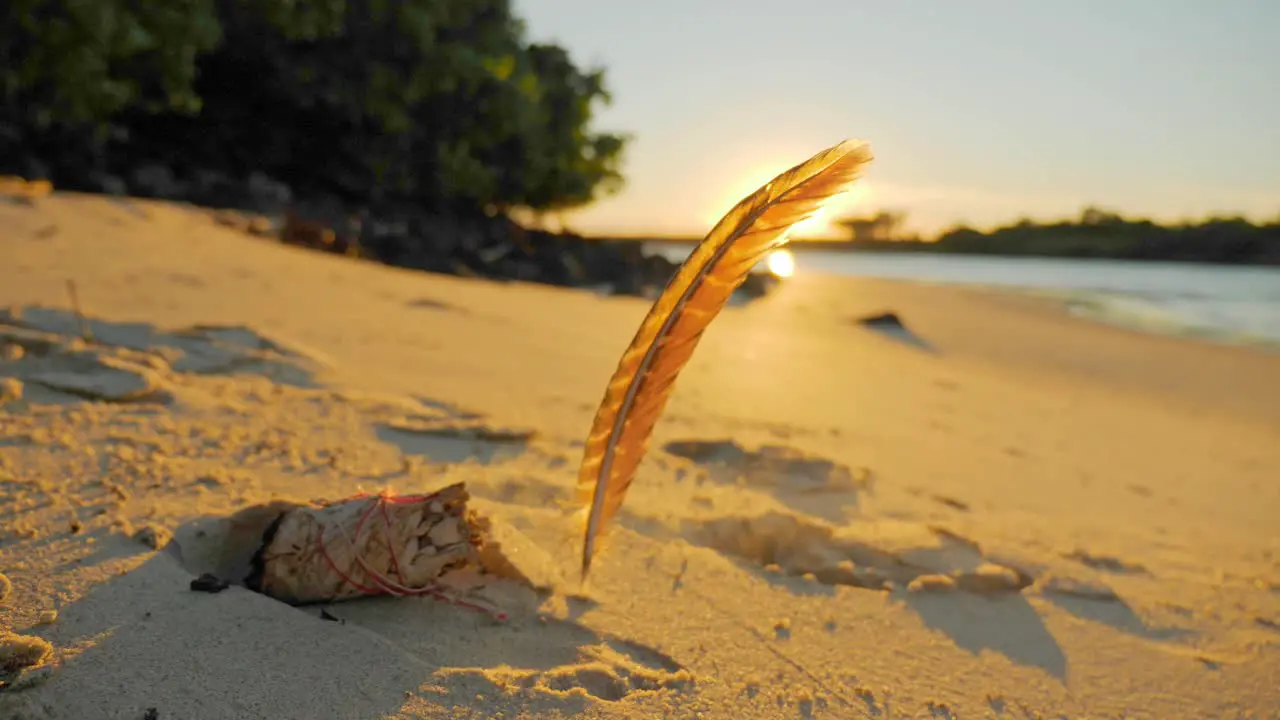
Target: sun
column 781, row 263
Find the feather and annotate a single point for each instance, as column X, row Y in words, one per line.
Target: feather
column 700, row 287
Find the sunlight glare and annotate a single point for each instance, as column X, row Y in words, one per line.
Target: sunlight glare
column 821, row 225
column 814, row 224
column 781, row 263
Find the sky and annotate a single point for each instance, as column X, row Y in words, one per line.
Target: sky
column 979, row 112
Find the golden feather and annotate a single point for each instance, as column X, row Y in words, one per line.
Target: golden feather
column 638, row 391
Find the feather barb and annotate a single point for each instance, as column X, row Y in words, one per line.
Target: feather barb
column 699, row 289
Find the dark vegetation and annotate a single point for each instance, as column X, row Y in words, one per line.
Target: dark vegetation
column 408, row 131
column 1095, row 234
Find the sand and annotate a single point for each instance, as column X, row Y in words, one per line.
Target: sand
column 1020, row 515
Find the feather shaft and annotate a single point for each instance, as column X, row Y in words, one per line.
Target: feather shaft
column 641, row 384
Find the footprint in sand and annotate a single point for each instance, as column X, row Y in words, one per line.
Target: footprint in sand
column 133, row 362
column 804, row 481
column 607, row 673
column 450, row 441
column 528, row 491
column 580, row 664
column 439, row 432
column 874, row 554
column 98, row 375
column 1105, row 562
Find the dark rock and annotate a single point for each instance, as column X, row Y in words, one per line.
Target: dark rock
column 883, row 321
column 266, row 194
column 758, row 285
column 396, row 232
column 213, row 189
column 33, row 168
column 207, row 583
column 614, row 263
column 156, row 181
column 891, row 326
column 106, row 184
column 657, row 270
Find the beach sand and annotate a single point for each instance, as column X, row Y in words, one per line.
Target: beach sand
column 1019, row 515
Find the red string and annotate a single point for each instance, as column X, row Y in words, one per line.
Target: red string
column 382, row 584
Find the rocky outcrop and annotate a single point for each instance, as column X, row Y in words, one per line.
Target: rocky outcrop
column 490, row 247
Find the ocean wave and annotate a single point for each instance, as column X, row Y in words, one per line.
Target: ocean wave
column 1201, row 316
column 1226, row 304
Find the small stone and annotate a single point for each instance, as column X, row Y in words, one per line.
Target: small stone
column 48, row 617
column 10, row 389
column 18, row 652
column 153, row 536
column 931, row 583
column 261, row 226
column 207, row 583
column 991, row 578
column 1086, row 589
column 12, row 352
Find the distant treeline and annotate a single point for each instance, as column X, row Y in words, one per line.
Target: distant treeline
column 1094, row 234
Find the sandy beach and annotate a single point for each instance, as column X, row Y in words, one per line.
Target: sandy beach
column 1021, row 515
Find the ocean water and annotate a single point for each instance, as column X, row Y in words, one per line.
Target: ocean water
column 1231, row 304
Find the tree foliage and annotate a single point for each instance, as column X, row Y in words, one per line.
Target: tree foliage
column 440, row 102
column 82, row 61
column 883, row 226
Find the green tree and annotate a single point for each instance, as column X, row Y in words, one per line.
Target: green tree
column 82, row 61
column 442, row 102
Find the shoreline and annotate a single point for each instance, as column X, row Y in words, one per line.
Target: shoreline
column 1111, row 307
column 1041, row 336
column 888, row 249
column 1083, row 304
column 1022, row 512
column 1138, row 307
